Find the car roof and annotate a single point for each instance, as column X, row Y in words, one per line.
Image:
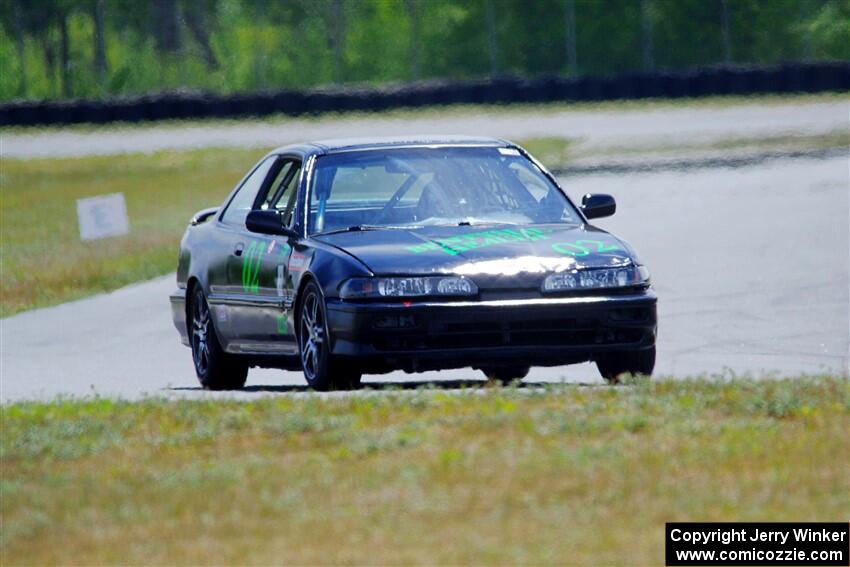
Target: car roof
column 375, row 143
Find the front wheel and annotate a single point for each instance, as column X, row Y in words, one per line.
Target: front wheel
column 506, row 374
column 216, row 370
column 612, row 365
column 321, row 370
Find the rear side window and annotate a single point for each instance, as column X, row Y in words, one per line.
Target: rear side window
column 242, row 203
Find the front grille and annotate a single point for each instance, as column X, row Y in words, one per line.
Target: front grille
column 482, row 334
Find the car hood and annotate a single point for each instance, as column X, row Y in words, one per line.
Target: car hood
column 496, row 250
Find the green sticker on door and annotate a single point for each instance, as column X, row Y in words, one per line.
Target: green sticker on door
column 251, row 260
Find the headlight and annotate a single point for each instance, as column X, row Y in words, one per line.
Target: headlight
column 407, row 287
column 597, row 279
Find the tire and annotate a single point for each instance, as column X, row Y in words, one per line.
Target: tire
column 321, row 370
column 506, row 374
column 636, row 362
column 216, row 370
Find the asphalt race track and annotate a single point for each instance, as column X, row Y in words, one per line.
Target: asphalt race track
column 593, row 127
column 750, row 263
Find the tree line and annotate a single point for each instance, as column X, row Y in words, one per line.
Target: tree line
column 92, row 48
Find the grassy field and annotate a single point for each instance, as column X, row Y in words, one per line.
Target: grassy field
column 44, row 263
column 492, row 476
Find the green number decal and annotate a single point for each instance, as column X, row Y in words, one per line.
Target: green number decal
column 600, row 246
column 583, row 247
column 252, row 259
column 246, row 266
column 570, row 249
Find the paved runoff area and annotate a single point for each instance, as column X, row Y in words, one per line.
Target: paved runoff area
column 750, row 264
column 608, row 126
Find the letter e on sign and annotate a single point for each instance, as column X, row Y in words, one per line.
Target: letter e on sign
column 102, row 216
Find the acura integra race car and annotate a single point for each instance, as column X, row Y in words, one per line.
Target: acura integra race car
column 348, row 257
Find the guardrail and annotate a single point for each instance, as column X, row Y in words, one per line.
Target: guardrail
column 723, row 80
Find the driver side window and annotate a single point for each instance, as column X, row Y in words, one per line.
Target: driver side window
column 242, row 203
column 282, row 191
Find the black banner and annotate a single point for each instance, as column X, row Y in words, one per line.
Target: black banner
column 752, row 543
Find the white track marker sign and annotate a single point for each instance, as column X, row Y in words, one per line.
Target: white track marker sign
column 102, row 216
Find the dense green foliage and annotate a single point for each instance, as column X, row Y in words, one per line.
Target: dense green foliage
column 88, row 48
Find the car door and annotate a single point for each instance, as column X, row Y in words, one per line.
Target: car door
column 258, row 272
column 227, row 246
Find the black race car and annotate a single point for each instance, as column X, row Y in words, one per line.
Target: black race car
column 348, row 257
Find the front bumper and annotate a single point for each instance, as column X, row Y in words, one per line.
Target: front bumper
column 533, row 332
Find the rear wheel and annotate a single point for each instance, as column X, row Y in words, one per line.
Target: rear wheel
column 216, row 370
column 506, row 374
column 321, row 370
column 614, row 364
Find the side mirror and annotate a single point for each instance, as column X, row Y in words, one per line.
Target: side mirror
column 598, row 205
column 267, row 222
column 203, row 215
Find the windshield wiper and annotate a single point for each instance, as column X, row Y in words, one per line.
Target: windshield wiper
column 353, row 228
column 483, row 222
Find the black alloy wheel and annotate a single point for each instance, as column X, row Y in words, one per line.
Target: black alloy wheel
column 505, row 374
column 321, row 371
column 216, row 370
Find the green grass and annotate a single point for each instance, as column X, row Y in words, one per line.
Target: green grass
column 552, row 151
column 43, row 260
column 495, row 476
column 778, row 143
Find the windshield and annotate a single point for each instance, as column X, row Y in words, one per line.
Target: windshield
column 432, row 186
